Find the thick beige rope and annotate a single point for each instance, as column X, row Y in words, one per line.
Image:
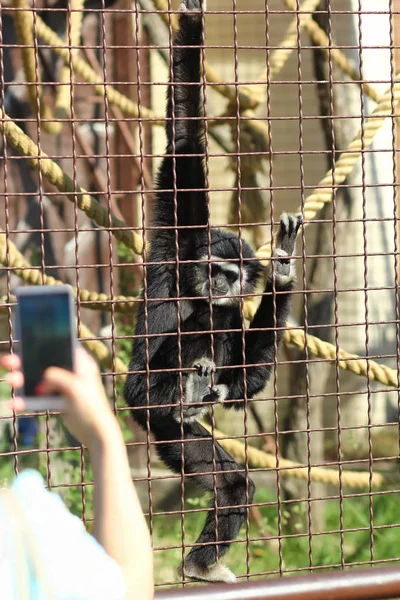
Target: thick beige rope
column 24, row 27
column 63, row 98
column 323, row 193
column 26, row 147
column 128, row 304
column 228, row 91
column 128, row 107
column 287, row 468
column 23, row 269
column 319, row 37
column 280, row 55
column 49, row 169
column 240, row 97
column 102, row 353
column 123, row 304
column 346, row 361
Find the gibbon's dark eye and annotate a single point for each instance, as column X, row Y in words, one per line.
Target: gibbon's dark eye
column 215, row 270
column 231, row 276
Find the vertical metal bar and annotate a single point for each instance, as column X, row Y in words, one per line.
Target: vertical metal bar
column 275, row 365
column 7, row 237
column 366, row 310
column 209, row 228
column 41, row 218
column 177, row 275
column 304, row 282
column 395, row 205
column 76, row 227
column 109, row 200
column 76, row 230
column 335, row 284
column 239, row 227
column 144, row 240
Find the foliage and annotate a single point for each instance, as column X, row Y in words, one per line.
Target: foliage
column 79, row 494
column 125, row 328
column 65, row 465
column 264, row 553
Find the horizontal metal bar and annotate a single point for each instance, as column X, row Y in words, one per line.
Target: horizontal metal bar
column 358, row 584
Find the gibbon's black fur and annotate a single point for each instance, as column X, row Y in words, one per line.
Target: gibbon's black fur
column 203, row 381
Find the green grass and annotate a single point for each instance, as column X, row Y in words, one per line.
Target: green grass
column 263, row 555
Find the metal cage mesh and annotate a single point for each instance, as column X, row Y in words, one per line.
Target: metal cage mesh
column 300, row 114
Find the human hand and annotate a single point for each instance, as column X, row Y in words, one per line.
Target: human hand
column 87, row 413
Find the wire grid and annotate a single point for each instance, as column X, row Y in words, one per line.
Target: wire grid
column 260, row 160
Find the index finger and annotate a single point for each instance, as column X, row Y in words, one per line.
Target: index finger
column 85, row 363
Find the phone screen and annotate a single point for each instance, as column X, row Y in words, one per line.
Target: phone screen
column 45, row 330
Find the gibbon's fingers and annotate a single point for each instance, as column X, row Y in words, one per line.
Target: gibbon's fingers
column 192, row 6
column 289, row 227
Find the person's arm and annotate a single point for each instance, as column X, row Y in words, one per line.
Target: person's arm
column 119, row 523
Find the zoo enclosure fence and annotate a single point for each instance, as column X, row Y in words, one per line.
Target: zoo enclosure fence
column 97, row 115
column 365, row 584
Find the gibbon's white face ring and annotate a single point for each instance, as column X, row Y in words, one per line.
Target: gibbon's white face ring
column 231, row 296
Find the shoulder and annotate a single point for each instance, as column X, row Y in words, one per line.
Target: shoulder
column 72, row 564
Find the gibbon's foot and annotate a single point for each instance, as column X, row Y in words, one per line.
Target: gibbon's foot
column 285, row 244
column 192, row 6
column 217, row 573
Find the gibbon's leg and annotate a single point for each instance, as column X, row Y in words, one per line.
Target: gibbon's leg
column 199, row 392
column 230, row 481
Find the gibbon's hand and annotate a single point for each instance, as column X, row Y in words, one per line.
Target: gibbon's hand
column 199, row 392
column 285, row 244
column 87, row 413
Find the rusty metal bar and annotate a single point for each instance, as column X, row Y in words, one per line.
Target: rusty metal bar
column 360, row 584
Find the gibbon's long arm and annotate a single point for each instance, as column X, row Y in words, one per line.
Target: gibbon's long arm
column 184, row 131
column 185, row 144
column 266, row 330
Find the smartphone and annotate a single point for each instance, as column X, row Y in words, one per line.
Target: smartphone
column 45, row 330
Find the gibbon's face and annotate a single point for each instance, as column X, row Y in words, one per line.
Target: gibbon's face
column 218, row 270
column 225, row 280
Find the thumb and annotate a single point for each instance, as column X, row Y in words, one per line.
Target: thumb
column 60, row 381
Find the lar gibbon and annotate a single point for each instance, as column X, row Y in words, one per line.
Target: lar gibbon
column 214, row 268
